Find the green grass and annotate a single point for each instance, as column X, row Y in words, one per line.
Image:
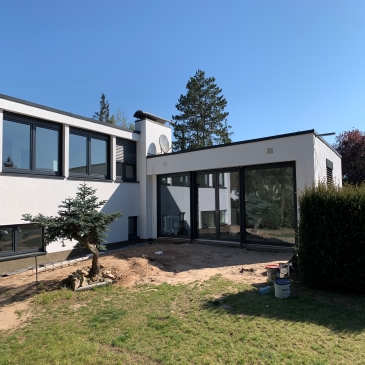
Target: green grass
column 215, row 322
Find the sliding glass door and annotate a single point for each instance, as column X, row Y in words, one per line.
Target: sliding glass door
column 174, row 205
column 270, row 216
column 217, row 205
column 251, row 205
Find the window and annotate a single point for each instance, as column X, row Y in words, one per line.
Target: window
column 180, row 180
column 203, row 180
column 126, row 160
column 31, row 145
column 20, row 239
column 329, row 168
column 174, row 205
column 88, row 155
column 132, row 227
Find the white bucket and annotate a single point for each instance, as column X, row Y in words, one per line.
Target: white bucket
column 282, row 288
column 273, row 272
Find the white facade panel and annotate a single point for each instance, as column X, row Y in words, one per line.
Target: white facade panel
column 21, row 195
column 321, row 153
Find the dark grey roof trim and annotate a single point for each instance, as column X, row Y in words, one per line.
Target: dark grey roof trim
column 140, row 115
column 310, row 131
column 39, row 106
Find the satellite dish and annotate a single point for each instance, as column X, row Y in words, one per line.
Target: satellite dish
column 164, row 143
column 152, row 150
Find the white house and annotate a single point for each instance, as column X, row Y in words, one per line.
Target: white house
column 243, row 192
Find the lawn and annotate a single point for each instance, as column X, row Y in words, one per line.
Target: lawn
column 210, row 322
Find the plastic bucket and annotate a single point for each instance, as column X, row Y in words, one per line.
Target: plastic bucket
column 273, row 272
column 282, row 288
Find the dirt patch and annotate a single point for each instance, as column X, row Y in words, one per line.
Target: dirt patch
column 179, row 264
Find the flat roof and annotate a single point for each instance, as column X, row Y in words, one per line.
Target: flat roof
column 309, row 131
column 39, row 106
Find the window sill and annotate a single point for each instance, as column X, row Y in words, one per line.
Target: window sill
column 18, row 256
column 32, row 175
column 126, row 181
column 88, row 178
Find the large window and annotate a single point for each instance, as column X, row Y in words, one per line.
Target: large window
column 126, row 158
column 270, row 205
column 20, row 239
column 174, row 205
column 31, row 145
column 218, row 205
column 88, row 155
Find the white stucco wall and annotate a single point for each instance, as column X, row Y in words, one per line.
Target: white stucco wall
column 34, row 195
column 298, row 148
column 321, row 153
column 150, row 133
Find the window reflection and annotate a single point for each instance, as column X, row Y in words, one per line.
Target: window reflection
column 16, row 145
column 47, row 147
column 29, row 237
column 6, row 239
column 229, row 205
column 99, row 150
column 269, row 206
column 175, row 205
column 206, row 207
column 78, row 154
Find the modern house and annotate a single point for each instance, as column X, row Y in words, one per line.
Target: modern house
column 244, row 192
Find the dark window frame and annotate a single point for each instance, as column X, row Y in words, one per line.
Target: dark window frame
column 121, row 142
column 90, row 135
column 124, row 175
column 159, row 183
column 15, row 241
column 34, row 123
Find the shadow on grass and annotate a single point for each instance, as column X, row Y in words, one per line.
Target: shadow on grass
column 306, row 306
column 13, row 294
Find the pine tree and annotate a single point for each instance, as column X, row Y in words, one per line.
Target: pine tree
column 103, row 113
column 202, row 120
column 79, row 219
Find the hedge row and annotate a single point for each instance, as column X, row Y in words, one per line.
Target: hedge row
column 332, row 238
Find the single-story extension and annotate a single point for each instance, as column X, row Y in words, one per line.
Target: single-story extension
column 244, row 193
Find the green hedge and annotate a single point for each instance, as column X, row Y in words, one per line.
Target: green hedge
column 332, row 238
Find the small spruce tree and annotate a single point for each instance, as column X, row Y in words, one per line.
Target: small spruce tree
column 79, row 220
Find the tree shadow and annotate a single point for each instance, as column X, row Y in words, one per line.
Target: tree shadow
column 339, row 313
column 10, row 294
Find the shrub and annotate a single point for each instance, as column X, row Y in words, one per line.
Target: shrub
column 332, row 237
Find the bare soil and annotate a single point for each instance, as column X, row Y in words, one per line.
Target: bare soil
column 178, row 264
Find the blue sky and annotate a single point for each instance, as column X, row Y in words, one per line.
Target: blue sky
column 283, row 66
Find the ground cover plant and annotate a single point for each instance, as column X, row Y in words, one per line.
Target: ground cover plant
column 210, row 322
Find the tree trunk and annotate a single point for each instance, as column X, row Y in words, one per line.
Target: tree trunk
column 95, row 266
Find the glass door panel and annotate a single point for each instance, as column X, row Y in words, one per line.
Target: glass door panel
column 206, row 206
column 229, row 205
column 269, row 206
column 174, row 205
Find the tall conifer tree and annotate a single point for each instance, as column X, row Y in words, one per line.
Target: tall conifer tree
column 103, row 113
column 202, row 120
